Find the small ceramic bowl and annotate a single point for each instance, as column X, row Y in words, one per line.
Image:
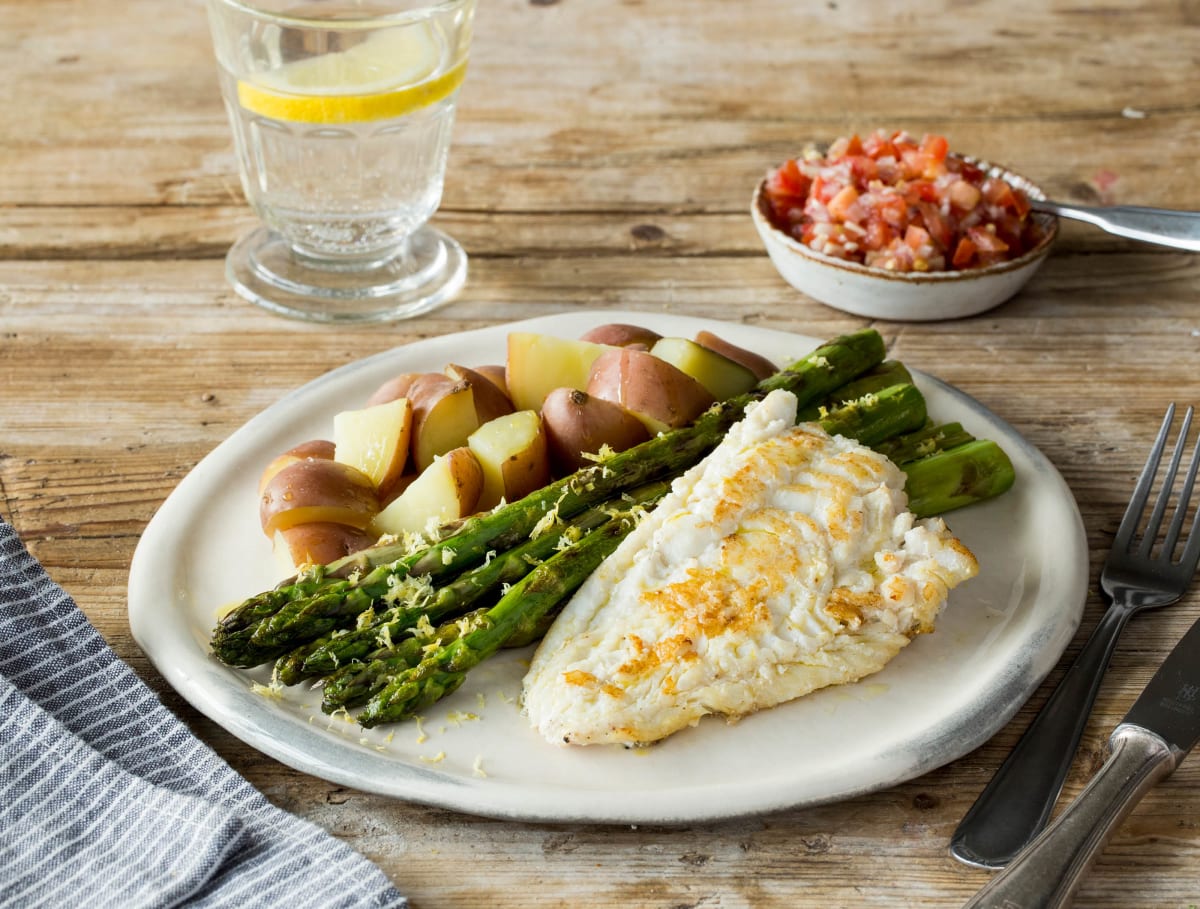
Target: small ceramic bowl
column 903, row 296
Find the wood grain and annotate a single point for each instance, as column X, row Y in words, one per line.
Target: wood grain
column 604, row 157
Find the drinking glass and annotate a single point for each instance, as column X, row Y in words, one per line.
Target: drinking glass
column 342, row 112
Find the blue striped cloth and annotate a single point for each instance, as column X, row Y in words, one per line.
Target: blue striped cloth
column 106, row 799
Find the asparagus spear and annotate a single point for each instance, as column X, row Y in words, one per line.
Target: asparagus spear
column 455, row 597
column 886, row 374
column 356, row 683
column 924, row 441
column 443, row 670
column 870, row 420
column 936, row 483
column 960, row 476
column 335, row 598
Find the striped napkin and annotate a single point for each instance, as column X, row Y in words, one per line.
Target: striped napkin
column 108, row 800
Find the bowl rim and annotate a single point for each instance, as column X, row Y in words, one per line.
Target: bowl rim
column 1048, row 221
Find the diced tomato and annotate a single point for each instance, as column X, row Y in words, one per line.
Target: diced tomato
column 903, row 142
column 864, row 168
column 916, row 238
column 986, row 240
column 922, row 191
column 890, row 201
column 878, row 145
column 844, row 148
column 915, row 162
column 819, row 189
column 1021, row 204
column 964, row 252
column 936, row 147
column 788, row 180
column 893, row 209
column 879, row 234
column 998, row 193
column 963, row 195
column 970, row 172
column 937, row 224
column 839, row 205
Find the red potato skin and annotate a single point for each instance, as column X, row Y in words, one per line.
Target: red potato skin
column 322, row 542
column 426, row 395
column 759, row 365
column 525, row 473
column 426, row 391
column 620, row 334
column 467, row 476
column 395, row 388
column 490, row 402
column 315, row 490
column 495, row 374
column 577, row 423
column 648, row 387
column 320, row 449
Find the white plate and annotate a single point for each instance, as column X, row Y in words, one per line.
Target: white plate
column 941, row 697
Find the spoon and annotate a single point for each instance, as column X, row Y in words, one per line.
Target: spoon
column 1166, row 227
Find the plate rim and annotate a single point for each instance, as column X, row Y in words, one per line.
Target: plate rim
column 507, row 800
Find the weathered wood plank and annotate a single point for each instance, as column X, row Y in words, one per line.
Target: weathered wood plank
column 604, row 156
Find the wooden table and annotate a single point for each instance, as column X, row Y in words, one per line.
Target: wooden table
column 603, row 157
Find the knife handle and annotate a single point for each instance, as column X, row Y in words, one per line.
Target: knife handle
column 1015, row 806
column 1047, row 873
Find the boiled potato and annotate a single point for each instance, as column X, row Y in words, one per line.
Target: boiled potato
column 317, row 490
column 759, row 365
column 618, row 334
column 317, row 448
column 398, row 487
column 375, row 440
column 723, row 377
column 495, row 374
column 662, row 396
column 490, row 401
column 394, row 388
column 446, row 490
column 444, row 415
column 577, row 424
column 538, row 364
column 513, row 454
column 317, row 543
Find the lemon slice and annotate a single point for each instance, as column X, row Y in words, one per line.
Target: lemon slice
column 389, row 74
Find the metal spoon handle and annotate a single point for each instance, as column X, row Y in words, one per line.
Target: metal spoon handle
column 1016, row 804
column 1180, row 229
column 1047, row 874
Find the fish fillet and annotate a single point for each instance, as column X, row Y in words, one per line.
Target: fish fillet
column 784, row 562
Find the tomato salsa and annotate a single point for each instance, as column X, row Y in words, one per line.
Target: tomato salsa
column 892, row 202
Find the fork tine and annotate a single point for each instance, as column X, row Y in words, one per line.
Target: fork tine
column 1141, row 492
column 1191, row 555
column 1164, row 493
column 1185, row 495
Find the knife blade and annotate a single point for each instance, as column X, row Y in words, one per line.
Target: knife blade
column 1170, row 704
column 1159, row 730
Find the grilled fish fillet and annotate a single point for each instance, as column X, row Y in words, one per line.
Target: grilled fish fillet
column 784, row 562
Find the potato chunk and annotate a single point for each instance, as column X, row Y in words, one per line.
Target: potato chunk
column 375, row 440
column 445, row 491
column 512, row 452
column 538, row 364
column 578, row 424
column 317, row 490
column 657, row 393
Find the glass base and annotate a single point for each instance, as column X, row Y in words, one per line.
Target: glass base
column 429, row 271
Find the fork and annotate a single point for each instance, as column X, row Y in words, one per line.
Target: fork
column 1137, row 575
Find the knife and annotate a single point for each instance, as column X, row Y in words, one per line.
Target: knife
column 1160, row 729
